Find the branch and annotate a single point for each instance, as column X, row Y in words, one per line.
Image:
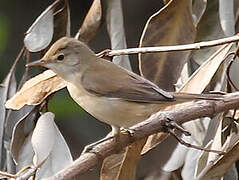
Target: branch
column 154, row 124
column 186, row 47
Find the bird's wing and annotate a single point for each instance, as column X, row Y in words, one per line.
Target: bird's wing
column 104, row 78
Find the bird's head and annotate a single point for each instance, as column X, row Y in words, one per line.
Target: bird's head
column 65, row 57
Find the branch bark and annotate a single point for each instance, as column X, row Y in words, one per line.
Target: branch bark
column 154, row 124
column 186, row 47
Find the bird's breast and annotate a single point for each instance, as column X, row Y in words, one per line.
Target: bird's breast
column 113, row 111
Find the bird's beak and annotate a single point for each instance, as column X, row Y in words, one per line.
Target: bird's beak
column 36, row 63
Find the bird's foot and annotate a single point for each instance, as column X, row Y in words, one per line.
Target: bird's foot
column 127, row 130
column 171, row 124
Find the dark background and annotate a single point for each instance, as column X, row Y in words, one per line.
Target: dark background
column 77, row 126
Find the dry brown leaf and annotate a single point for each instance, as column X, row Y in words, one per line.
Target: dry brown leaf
column 171, row 25
column 91, row 23
column 36, row 89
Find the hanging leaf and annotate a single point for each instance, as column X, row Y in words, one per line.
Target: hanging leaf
column 36, row 89
column 40, row 34
column 171, row 25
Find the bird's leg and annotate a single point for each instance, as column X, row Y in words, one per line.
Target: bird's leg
column 114, row 134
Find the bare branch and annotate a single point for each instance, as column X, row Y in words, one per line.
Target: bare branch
column 186, row 47
column 154, row 124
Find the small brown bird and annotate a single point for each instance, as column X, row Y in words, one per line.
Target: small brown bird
column 109, row 92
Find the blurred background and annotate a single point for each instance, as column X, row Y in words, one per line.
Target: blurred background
column 78, row 128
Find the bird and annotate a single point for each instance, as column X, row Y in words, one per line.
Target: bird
column 109, row 92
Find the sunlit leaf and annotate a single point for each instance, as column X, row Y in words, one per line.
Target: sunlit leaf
column 40, row 34
column 59, row 158
column 43, row 138
column 35, row 90
column 206, row 71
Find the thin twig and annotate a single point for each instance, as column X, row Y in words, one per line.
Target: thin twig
column 186, row 47
column 181, row 141
column 7, row 175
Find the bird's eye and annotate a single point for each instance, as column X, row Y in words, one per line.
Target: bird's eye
column 60, row 57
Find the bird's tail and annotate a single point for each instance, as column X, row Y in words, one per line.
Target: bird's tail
column 188, row 96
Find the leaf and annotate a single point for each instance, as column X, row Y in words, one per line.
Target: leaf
column 177, row 158
column 199, row 7
column 6, row 90
column 36, row 89
column 208, row 28
column 226, row 15
column 52, row 154
column 22, row 129
column 43, row 138
column 115, row 28
column 171, row 25
column 40, row 34
column 206, row 71
column 25, row 154
column 91, row 23
column 202, row 160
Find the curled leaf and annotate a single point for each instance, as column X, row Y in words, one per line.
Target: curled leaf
column 36, row 89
